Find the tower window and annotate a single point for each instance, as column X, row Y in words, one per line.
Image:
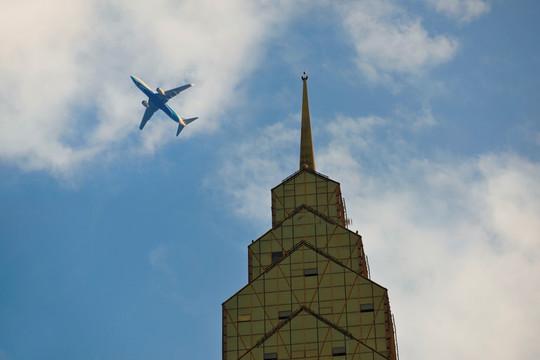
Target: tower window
column 310, row 272
column 284, row 314
column 339, row 351
column 276, row 256
column 244, row 318
column 270, row 356
column 366, row 308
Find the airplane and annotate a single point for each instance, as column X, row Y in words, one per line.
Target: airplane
column 157, row 100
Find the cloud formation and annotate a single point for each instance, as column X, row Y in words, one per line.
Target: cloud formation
column 454, row 240
column 451, row 239
column 159, row 259
column 67, row 98
column 66, row 94
column 251, row 168
column 461, row 10
column 391, row 42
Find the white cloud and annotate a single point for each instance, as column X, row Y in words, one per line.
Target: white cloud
column 417, row 120
column 454, row 240
column 251, row 168
column 462, row 10
column 65, row 66
column 390, row 42
column 455, row 243
column 159, row 259
column 67, row 98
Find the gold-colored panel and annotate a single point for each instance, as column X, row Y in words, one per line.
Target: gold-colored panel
column 270, row 287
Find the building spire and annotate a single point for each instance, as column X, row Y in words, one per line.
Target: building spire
column 307, row 156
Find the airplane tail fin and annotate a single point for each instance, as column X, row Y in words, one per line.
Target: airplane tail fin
column 183, row 123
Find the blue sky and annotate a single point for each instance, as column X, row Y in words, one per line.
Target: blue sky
column 121, row 244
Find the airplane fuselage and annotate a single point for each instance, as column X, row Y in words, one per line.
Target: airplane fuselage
column 157, row 100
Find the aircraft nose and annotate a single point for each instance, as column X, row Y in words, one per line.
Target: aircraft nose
column 136, row 80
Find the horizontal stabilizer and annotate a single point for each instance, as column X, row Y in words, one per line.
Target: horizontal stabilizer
column 183, row 123
column 190, row 120
column 180, row 128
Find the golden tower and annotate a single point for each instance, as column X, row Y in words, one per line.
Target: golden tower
column 309, row 294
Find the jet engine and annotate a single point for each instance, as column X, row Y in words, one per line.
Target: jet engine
column 145, row 103
column 160, row 90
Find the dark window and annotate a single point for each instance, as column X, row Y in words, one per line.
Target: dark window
column 339, row 351
column 276, row 255
column 270, row 356
column 244, row 318
column 284, row 314
column 366, row 307
column 310, row 272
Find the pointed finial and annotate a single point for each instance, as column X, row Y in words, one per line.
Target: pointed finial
column 307, row 156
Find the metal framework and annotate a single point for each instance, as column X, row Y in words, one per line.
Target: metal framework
column 309, row 294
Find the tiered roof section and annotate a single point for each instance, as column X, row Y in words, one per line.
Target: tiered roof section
column 307, row 187
column 309, row 295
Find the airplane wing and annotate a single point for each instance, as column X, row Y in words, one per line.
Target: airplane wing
column 173, row 92
column 147, row 115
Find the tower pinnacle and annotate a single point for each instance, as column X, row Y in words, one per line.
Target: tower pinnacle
column 307, row 156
